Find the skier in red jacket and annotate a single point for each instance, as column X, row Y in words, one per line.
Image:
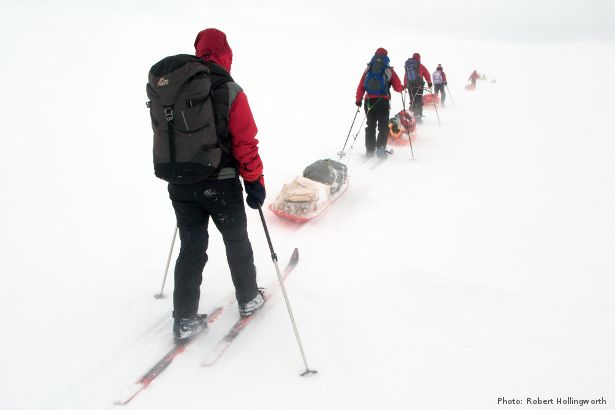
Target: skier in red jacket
column 219, row 197
column 473, row 77
column 376, row 82
column 414, row 80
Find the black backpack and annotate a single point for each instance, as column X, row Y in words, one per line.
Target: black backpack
column 186, row 148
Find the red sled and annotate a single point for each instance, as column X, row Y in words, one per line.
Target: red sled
column 402, row 128
column 470, row 87
column 307, row 196
column 429, row 100
column 301, row 212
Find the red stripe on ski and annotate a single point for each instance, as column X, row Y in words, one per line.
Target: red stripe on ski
column 214, row 355
column 163, row 363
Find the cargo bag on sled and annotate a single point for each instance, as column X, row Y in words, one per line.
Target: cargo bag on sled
column 329, row 172
column 302, row 198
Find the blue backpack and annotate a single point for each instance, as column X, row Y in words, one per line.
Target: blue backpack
column 412, row 72
column 376, row 82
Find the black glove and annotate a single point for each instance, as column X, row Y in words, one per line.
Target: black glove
column 445, row 83
column 256, row 193
column 358, row 103
column 429, row 85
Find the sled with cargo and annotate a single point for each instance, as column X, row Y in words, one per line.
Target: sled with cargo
column 309, row 195
column 402, row 128
column 429, row 100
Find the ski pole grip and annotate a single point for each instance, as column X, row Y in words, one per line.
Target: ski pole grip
column 273, row 255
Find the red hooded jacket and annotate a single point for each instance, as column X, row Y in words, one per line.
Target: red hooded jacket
column 211, row 45
column 394, row 81
column 423, row 71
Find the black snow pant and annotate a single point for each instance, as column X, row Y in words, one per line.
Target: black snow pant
column 439, row 88
column 221, row 199
column 416, row 96
column 377, row 111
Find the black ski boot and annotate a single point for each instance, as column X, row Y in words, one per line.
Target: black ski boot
column 185, row 329
column 246, row 309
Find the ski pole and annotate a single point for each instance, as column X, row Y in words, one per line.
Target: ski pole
column 410, row 141
column 341, row 153
column 355, row 139
column 369, row 108
column 166, row 270
column 450, row 95
column 403, row 101
column 274, row 257
column 433, row 100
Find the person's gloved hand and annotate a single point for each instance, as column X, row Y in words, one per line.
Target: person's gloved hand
column 429, row 85
column 256, row 193
column 358, row 103
column 445, row 83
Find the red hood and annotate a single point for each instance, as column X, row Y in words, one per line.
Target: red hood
column 417, row 57
column 211, row 45
column 382, row 51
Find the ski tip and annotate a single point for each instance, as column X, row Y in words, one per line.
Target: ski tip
column 294, row 258
column 128, row 394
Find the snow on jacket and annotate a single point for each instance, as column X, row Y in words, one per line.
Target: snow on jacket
column 423, row 71
column 211, row 45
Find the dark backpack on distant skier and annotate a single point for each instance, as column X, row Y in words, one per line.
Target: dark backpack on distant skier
column 186, row 148
column 377, row 77
column 412, row 72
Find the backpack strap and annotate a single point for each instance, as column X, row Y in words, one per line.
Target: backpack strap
column 170, row 117
column 233, row 90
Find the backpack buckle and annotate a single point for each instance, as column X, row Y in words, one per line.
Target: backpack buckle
column 168, row 113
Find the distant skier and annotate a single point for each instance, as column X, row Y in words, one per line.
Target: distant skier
column 414, row 81
column 473, row 77
column 219, row 197
column 439, row 81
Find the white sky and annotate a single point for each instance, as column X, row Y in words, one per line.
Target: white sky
column 521, row 20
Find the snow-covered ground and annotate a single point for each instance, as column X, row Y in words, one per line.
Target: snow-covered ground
column 483, row 269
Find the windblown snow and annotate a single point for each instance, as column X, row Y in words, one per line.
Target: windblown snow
column 483, row 269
